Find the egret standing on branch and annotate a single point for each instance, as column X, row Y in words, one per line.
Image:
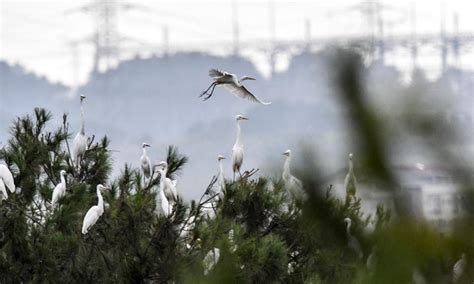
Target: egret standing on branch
column 238, row 149
column 79, row 145
column 352, row 242
column 169, row 185
column 220, row 177
column 145, row 162
column 59, row 190
column 6, row 180
column 350, row 182
column 94, row 212
column 293, row 185
column 162, row 203
column 232, row 83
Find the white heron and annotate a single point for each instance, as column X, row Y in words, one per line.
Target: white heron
column 211, row 259
column 94, row 212
column 350, row 182
column 7, row 179
column 232, row 83
column 352, row 242
column 220, row 177
column 292, row 184
column 459, row 267
column 162, row 203
column 145, row 161
column 79, row 144
column 169, row 185
column 238, row 148
column 60, row 189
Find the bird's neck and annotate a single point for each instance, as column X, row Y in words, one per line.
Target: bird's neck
column 286, row 167
column 82, row 120
column 144, row 151
column 348, row 228
column 238, row 140
column 101, row 201
column 351, row 167
column 63, row 180
column 221, row 169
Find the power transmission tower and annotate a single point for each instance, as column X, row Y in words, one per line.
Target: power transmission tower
column 106, row 37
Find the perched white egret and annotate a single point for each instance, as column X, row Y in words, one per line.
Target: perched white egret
column 372, row 260
column 220, row 177
column 188, row 226
column 7, row 178
column 350, row 182
column 162, row 203
column 458, row 268
column 293, row 185
column 232, row 83
column 352, row 242
column 145, row 162
column 79, row 145
column 169, row 185
column 211, row 259
column 59, row 190
column 238, row 149
column 94, row 212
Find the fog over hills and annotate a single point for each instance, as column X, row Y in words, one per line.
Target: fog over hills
column 155, row 100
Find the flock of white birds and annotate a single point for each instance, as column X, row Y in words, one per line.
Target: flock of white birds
column 166, row 192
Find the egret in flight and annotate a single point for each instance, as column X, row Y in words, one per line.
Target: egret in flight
column 169, row 185
column 238, row 149
column 79, row 144
column 162, row 203
column 59, row 190
column 145, row 162
column 350, row 180
column 292, row 184
column 232, row 83
column 352, row 242
column 6, row 180
column 94, row 212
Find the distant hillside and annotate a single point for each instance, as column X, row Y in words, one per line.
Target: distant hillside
column 21, row 91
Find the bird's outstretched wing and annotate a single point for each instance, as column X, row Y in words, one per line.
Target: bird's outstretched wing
column 243, row 93
column 215, row 73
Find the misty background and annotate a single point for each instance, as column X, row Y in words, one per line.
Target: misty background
column 151, row 95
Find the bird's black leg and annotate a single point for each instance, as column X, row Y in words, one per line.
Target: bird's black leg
column 205, row 92
column 211, row 92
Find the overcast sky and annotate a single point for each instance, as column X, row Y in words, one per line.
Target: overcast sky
column 37, row 33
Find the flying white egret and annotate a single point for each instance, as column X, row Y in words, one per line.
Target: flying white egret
column 232, row 83
column 352, row 242
column 162, row 203
column 59, row 190
column 211, row 259
column 238, row 148
column 458, row 268
column 169, row 185
column 7, row 178
column 350, row 182
column 94, row 212
column 79, row 145
column 145, row 161
column 292, row 184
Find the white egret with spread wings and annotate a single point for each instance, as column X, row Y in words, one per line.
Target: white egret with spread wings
column 232, row 83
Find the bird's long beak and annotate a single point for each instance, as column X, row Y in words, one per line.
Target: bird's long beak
column 245, row 118
column 250, row 78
